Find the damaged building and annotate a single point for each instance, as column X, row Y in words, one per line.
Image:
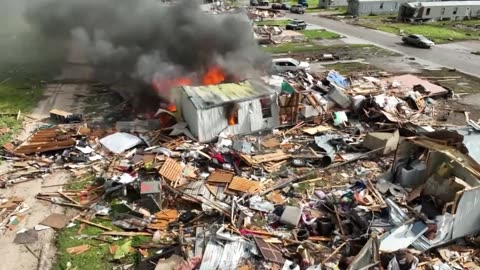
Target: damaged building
column 438, row 11
column 236, row 108
column 444, row 186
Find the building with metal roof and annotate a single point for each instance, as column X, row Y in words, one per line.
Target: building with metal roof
column 332, row 3
column 374, row 7
column 236, row 108
column 437, row 11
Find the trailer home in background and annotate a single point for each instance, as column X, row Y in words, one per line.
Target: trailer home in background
column 438, row 11
column 373, row 7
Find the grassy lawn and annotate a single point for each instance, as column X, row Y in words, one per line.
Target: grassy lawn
column 350, row 67
column 273, row 22
column 26, row 62
column 308, row 47
column 440, row 32
column 98, row 256
column 320, row 34
column 16, row 95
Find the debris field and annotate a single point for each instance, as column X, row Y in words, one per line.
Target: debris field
column 300, row 171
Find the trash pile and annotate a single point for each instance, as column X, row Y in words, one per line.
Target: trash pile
column 358, row 178
column 261, row 13
column 266, row 34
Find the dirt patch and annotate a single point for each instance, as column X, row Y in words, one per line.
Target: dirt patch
column 454, row 80
column 19, row 257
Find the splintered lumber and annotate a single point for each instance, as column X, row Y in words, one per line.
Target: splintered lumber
column 116, row 233
column 334, row 252
column 162, row 219
column 272, row 157
column 46, row 140
column 244, row 185
column 94, row 224
column 68, row 198
column 171, row 170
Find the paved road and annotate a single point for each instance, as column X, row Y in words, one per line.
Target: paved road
column 448, row 55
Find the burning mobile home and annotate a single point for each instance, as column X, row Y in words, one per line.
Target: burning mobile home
column 237, row 108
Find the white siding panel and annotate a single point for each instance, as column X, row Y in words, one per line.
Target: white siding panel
column 189, row 115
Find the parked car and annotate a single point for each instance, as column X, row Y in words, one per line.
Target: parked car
column 263, row 3
column 296, row 25
column 289, row 64
column 418, row 41
column 285, row 7
column 299, row 9
column 276, row 6
column 253, row 3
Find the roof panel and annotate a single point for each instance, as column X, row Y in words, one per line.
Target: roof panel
column 204, row 97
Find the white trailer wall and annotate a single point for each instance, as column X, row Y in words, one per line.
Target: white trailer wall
column 207, row 124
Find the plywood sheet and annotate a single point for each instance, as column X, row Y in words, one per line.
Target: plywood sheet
column 220, row 177
column 244, row 185
column 171, row 170
column 56, row 221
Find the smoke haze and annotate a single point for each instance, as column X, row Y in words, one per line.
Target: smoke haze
column 145, row 37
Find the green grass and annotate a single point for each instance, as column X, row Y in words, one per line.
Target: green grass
column 350, row 67
column 310, row 47
column 16, row 94
column 98, row 257
column 320, row 34
column 80, row 183
column 440, row 32
column 12, row 124
column 335, row 10
column 273, row 22
column 26, row 62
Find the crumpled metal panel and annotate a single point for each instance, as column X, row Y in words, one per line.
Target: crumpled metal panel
column 221, row 257
column 467, row 217
column 398, row 217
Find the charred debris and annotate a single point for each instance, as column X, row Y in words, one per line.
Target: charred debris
column 300, row 171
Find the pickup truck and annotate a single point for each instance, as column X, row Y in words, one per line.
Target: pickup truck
column 296, row 25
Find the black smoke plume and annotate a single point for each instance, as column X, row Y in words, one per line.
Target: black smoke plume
column 142, row 38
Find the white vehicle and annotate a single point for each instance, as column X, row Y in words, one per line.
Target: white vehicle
column 289, row 64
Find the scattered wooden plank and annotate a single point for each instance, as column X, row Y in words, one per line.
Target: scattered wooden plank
column 68, row 197
column 244, row 185
column 117, row 233
column 94, row 224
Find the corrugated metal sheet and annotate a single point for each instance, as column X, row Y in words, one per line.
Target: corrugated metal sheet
column 204, row 97
column 221, row 257
column 467, row 220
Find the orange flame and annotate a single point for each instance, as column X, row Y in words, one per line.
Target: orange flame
column 231, row 120
column 172, row 107
column 214, row 75
column 163, row 86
